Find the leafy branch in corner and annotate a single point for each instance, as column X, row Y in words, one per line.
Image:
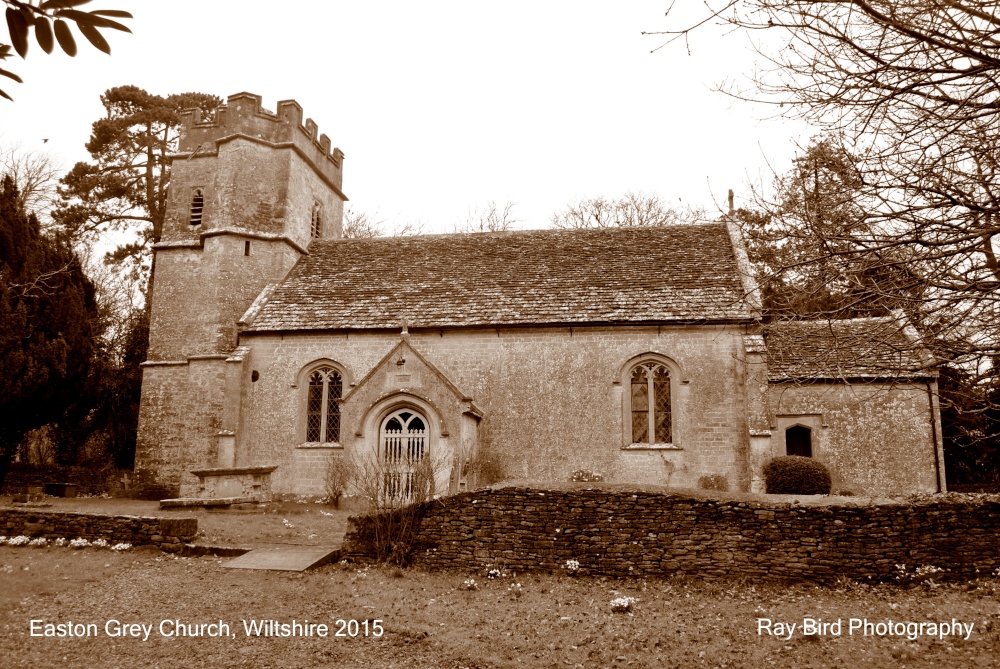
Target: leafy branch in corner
column 50, row 22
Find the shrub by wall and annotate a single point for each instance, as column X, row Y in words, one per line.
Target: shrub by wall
column 625, row 533
column 169, row 534
column 796, row 475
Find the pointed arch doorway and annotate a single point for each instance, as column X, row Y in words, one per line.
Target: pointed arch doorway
column 403, row 450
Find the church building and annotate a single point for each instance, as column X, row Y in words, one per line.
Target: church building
column 277, row 347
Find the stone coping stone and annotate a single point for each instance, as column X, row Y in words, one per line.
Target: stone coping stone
column 677, row 492
column 231, row 471
column 184, row 502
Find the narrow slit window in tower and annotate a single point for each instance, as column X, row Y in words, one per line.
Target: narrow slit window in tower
column 316, row 221
column 197, row 206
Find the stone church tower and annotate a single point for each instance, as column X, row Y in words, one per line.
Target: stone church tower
column 250, row 189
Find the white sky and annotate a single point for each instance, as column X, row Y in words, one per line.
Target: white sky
column 441, row 106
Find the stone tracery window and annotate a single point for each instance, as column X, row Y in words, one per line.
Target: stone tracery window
column 649, row 404
column 326, row 386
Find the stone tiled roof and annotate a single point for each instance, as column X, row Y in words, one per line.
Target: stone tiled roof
column 858, row 348
column 623, row 275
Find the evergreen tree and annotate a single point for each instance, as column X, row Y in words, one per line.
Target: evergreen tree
column 803, row 243
column 48, row 325
column 123, row 189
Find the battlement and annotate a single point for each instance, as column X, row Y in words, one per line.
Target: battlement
column 242, row 115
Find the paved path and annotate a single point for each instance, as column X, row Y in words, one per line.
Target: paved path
column 285, row 558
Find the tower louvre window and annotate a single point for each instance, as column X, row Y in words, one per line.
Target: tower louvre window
column 197, row 206
column 316, row 221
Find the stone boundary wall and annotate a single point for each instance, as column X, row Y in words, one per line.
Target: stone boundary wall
column 88, row 481
column 169, row 534
column 631, row 533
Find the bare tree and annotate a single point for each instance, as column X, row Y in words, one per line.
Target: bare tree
column 364, row 225
column 912, row 88
column 631, row 210
column 490, row 218
column 36, row 176
column 396, row 493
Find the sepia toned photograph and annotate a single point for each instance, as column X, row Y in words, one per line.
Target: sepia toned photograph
column 468, row 335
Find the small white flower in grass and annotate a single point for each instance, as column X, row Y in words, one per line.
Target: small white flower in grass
column 79, row 542
column 494, row 574
column 99, row 543
column 572, row 566
column 39, row 542
column 287, row 523
column 623, row 604
column 325, row 513
column 470, row 584
column 121, row 547
column 60, row 542
column 3, row 540
column 515, row 590
column 20, row 540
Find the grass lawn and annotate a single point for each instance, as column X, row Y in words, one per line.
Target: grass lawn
column 435, row 620
column 441, row 620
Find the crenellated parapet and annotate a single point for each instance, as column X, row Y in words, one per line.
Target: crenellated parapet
column 243, row 116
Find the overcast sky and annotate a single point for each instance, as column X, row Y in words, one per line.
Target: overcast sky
column 440, row 106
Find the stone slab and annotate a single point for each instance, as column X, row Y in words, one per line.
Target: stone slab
column 284, row 558
column 183, row 502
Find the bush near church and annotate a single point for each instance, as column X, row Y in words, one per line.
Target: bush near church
column 796, row 475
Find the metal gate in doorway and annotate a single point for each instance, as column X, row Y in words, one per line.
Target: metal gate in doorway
column 403, row 448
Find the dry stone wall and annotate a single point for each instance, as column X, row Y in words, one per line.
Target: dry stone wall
column 625, row 533
column 88, row 481
column 169, row 534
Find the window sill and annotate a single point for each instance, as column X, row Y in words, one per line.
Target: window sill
column 321, row 446
column 652, row 447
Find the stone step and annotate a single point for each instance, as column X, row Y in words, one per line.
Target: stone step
column 184, row 502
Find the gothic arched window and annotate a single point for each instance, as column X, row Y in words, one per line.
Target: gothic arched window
column 197, row 206
column 326, row 386
column 649, row 404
